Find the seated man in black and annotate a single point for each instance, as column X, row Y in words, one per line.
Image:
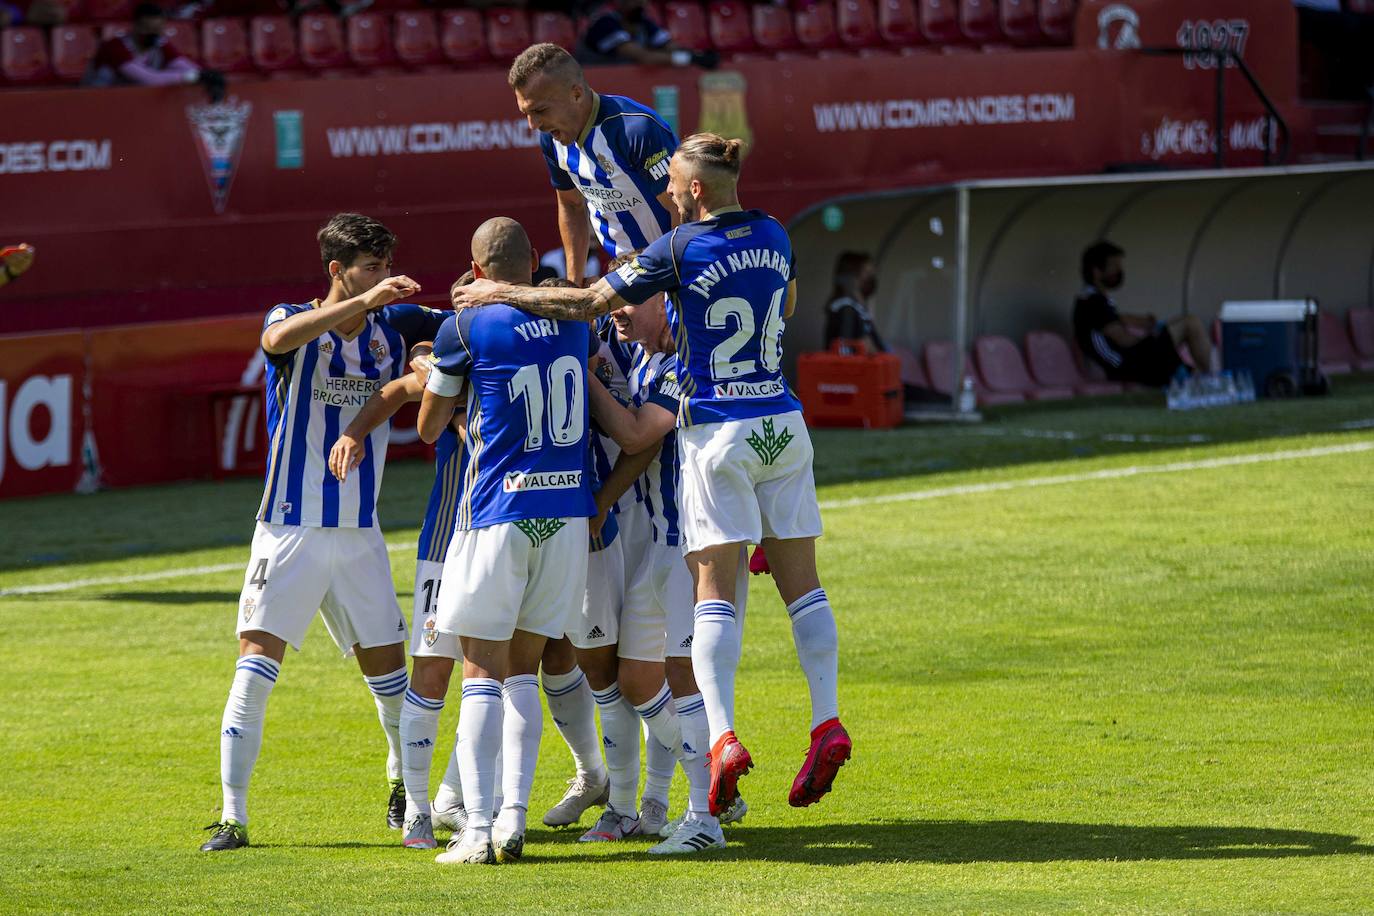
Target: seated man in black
column 621, row 32
column 846, row 314
column 1131, row 348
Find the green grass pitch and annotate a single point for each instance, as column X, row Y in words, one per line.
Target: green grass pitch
column 1129, row 690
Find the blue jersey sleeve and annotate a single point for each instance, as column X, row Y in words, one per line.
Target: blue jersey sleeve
column 451, row 357
column 558, row 176
column 414, row 323
column 665, row 390
column 652, row 271
column 280, row 313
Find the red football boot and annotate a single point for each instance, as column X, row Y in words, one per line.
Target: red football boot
column 758, row 563
column 830, row 748
column 729, row 761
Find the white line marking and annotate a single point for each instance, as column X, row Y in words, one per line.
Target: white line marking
column 1107, row 474
column 910, row 496
column 186, row 572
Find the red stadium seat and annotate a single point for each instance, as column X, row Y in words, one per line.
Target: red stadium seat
column 1334, row 350
column 462, row 37
column 73, row 46
column 24, row 55
column 106, row 10
column 729, row 26
column 687, row 24
column 773, row 29
column 1020, row 22
column 898, row 23
column 816, row 27
column 1052, row 365
column 554, row 28
column 508, row 33
column 1003, row 370
column 878, row 52
column 913, row 373
column 978, row 21
column 369, row 40
column 938, row 356
column 1361, row 322
column 225, row 45
column 272, row 43
column 322, row 42
column 417, row 38
column 1056, row 20
column 857, row 23
column 940, row 21
column 184, row 36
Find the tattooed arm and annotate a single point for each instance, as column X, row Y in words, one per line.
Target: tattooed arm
column 567, row 304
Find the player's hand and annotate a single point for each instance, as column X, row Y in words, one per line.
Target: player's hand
column 596, row 522
column 18, row 259
column 477, row 293
column 421, row 366
column 346, row 455
column 392, row 289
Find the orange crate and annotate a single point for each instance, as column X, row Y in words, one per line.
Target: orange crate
column 861, row 391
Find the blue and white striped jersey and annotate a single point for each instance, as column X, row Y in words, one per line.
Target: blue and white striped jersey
column 654, row 380
column 620, row 164
column 442, row 510
column 615, row 376
column 313, row 393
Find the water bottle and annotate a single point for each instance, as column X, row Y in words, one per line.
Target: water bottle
column 1246, row 385
column 1174, row 396
column 1232, row 392
column 967, row 399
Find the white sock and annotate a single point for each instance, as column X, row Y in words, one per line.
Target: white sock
column 240, row 736
column 620, row 740
column 573, row 711
column 660, row 714
column 715, row 656
column 389, row 690
column 818, row 650
column 419, row 729
column 659, row 763
column 524, row 723
column 691, row 716
column 479, row 741
column 450, row 794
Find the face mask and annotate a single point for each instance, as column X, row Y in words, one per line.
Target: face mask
column 869, row 286
column 1114, row 281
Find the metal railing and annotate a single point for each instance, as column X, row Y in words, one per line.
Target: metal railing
column 1221, row 57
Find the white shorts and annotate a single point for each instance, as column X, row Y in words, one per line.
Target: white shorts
column 345, row 573
column 426, row 641
column 498, row 581
column 636, row 534
column 657, row 619
column 598, row 625
column 732, row 493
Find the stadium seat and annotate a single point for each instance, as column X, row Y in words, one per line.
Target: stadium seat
column 687, row 24
column 369, row 40
column 938, row 356
column 898, row 23
column 857, row 23
column 1361, row 324
column 773, row 28
column 1003, row 370
column 1020, row 23
column 1056, row 20
column 978, row 21
column 1052, row 365
column 73, row 46
column 272, row 44
column 224, row 42
column 728, row 21
column 554, row 28
column 417, row 38
column 913, row 373
column 940, row 21
column 110, row 30
column 508, row 33
column 183, row 35
column 462, row 37
column 1335, row 353
column 878, row 52
column 816, row 27
column 322, row 42
column 107, row 10
column 24, row 55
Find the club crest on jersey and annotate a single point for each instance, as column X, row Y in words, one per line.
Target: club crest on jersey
column 377, row 349
column 250, row 607
column 219, row 130
column 431, row 633
column 327, row 347
column 607, row 165
column 520, row 481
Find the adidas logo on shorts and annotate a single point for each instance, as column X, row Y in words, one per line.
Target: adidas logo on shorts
column 686, row 643
column 596, row 633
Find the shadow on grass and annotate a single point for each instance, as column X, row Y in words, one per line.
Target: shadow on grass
column 167, row 597
column 1001, row 841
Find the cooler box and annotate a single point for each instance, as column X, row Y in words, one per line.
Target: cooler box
column 856, row 390
column 1275, row 341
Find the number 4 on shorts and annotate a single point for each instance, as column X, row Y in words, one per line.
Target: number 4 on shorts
column 259, row 577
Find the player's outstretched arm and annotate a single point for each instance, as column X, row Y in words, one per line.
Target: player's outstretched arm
column 633, row 430
column 564, row 304
column 575, row 230
column 299, row 329
column 436, row 412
